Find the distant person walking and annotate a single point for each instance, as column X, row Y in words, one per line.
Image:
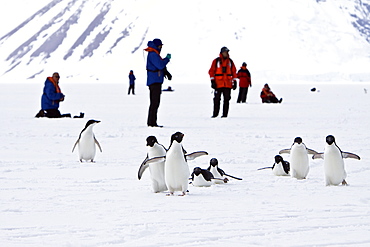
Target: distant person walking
column 132, row 78
column 223, row 79
column 156, row 71
column 51, row 97
column 244, row 83
column 268, row 96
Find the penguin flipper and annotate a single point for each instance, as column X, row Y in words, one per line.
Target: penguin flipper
column 154, row 160
column 233, row 177
column 311, row 151
column 194, row 155
column 350, row 155
column 97, row 143
column 73, row 149
column 318, row 156
column 285, row 151
column 142, row 168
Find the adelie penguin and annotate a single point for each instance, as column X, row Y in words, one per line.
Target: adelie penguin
column 202, row 177
column 176, row 169
column 299, row 162
column 156, row 168
column 218, row 173
column 280, row 167
column 86, row 142
column 333, row 162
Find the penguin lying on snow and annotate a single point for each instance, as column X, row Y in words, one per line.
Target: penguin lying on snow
column 280, row 167
column 299, row 162
column 86, row 142
column 218, row 173
column 157, row 168
column 333, row 162
column 201, row 177
column 176, row 168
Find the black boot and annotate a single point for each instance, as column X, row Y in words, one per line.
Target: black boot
column 41, row 113
column 81, row 115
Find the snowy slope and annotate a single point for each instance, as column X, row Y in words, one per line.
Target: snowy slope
column 49, row 199
column 97, row 40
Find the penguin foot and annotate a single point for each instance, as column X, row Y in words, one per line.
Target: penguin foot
column 344, row 183
column 169, row 194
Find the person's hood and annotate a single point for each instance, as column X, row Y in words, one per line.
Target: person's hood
column 152, row 45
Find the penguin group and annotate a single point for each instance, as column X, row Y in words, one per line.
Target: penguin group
column 298, row 167
column 169, row 169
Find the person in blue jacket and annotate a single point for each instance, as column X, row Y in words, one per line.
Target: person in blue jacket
column 132, row 79
column 51, row 97
column 156, row 71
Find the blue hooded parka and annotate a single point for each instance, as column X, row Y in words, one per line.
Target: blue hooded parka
column 50, row 98
column 155, row 65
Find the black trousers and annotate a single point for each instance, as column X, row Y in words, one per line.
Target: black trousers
column 155, row 91
column 132, row 87
column 55, row 113
column 226, row 92
column 242, row 97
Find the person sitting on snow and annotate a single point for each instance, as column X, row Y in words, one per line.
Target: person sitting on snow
column 51, row 97
column 268, row 96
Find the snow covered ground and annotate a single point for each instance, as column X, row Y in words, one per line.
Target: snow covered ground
column 47, row 198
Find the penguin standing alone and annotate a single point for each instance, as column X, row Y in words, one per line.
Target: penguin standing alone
column 157, row 168
column 86, row 142
column 299, row 162
column 333, row 162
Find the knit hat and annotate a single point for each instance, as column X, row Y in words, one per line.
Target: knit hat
column 244, row 64
column 157, row 42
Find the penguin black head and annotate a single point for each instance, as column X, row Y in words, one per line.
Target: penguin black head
column 90, row 122
column 197, row 171
column 213, row 162
column 330, row 139
column 178, row 136
column 278, row 159
column 298, row 140
column 151, row 140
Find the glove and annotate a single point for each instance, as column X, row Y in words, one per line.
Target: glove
column 234, row 85
column 168, row 56
column 213, row 84
column 167, row 74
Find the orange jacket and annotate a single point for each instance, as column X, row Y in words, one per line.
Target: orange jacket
column 223, row 71
column 266, row 92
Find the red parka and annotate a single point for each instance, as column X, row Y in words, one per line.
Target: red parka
column 223, row 71
column 244, row 77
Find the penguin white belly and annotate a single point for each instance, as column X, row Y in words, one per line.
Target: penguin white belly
column 176, row 169
column 157, row 169
column 279, row 170
column 86, row 147
column 199, row 181
column 216, row 174
column 157, row 176
column 333, row 166
column 299, row 163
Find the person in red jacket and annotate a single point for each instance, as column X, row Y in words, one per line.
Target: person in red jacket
column 223, row 79
column 244, row 83
column 268, row 96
